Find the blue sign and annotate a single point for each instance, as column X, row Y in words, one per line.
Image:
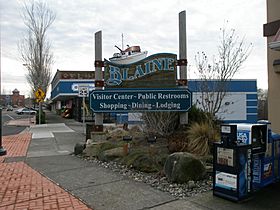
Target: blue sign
column 243, row 137
column 162, row 65
column 136, row 100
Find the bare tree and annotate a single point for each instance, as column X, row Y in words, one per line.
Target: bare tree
column 214, row 75
column 160, row 123
column 262, row 104
column 35, row 48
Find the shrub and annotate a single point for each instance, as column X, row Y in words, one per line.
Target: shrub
column 178, row 141
column 160, row 123
column 144, row 160
column 201, row 137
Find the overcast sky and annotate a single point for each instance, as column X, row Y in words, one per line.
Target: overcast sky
column 152, row 24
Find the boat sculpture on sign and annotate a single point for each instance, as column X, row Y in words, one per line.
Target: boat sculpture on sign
column 130, row 55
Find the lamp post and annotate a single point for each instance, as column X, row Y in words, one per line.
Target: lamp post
column 2, row 150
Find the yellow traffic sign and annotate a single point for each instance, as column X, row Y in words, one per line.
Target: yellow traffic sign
column 39, row 100
column 40, row 94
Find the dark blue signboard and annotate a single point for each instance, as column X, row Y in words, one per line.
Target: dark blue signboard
column 137, row 100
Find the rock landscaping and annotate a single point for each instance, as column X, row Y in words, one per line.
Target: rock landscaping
column 158, row 180
column 181, row 174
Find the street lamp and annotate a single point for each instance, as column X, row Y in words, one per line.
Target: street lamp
column 2, row 150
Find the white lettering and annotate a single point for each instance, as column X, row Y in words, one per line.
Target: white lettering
column 122, row 96
column 168, row 106
column 172, row 96
column 117, row 106
column 147, row 96
column 101, row 96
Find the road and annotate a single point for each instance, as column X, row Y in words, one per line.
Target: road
column 11, row 129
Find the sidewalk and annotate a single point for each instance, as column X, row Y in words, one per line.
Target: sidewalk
column 16, row 145
column 24, row 188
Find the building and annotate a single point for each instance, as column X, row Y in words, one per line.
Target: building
column 16, row 100
column 65, row 92
column 272, row 32
column 239, row 105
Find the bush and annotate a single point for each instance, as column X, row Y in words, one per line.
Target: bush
column 144, row 160
column 197, row 115
column 201, row 137
column 43, row 117
column 160, row 123
column 178, row 141
column 105, row 146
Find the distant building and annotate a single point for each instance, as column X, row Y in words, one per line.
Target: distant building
column 15, row 99
column 272, row 32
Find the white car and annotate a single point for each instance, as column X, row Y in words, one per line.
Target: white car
column 9, row 108
column 26, row 111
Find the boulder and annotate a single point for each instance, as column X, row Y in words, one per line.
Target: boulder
column 181, row 167
column 112, row 154
column 79, row 147
column 95, row 148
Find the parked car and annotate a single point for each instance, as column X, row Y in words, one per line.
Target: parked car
column 10, row 108
column 26, row 111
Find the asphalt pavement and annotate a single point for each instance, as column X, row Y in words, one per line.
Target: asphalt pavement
column 8, row 117
column 50, row 153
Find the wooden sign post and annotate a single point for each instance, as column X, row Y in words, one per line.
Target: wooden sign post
column 99, row 84
column 156, row 71
column 183, row 60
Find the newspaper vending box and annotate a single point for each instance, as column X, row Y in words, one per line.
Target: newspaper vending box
column 233, row 156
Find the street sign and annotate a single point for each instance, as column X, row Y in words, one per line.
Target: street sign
column 40, row 94
column 83, row 91
column 141, row 100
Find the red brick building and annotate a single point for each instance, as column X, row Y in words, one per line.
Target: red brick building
column 15, row 99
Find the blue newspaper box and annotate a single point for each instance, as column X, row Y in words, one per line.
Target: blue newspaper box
column 246, row 160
